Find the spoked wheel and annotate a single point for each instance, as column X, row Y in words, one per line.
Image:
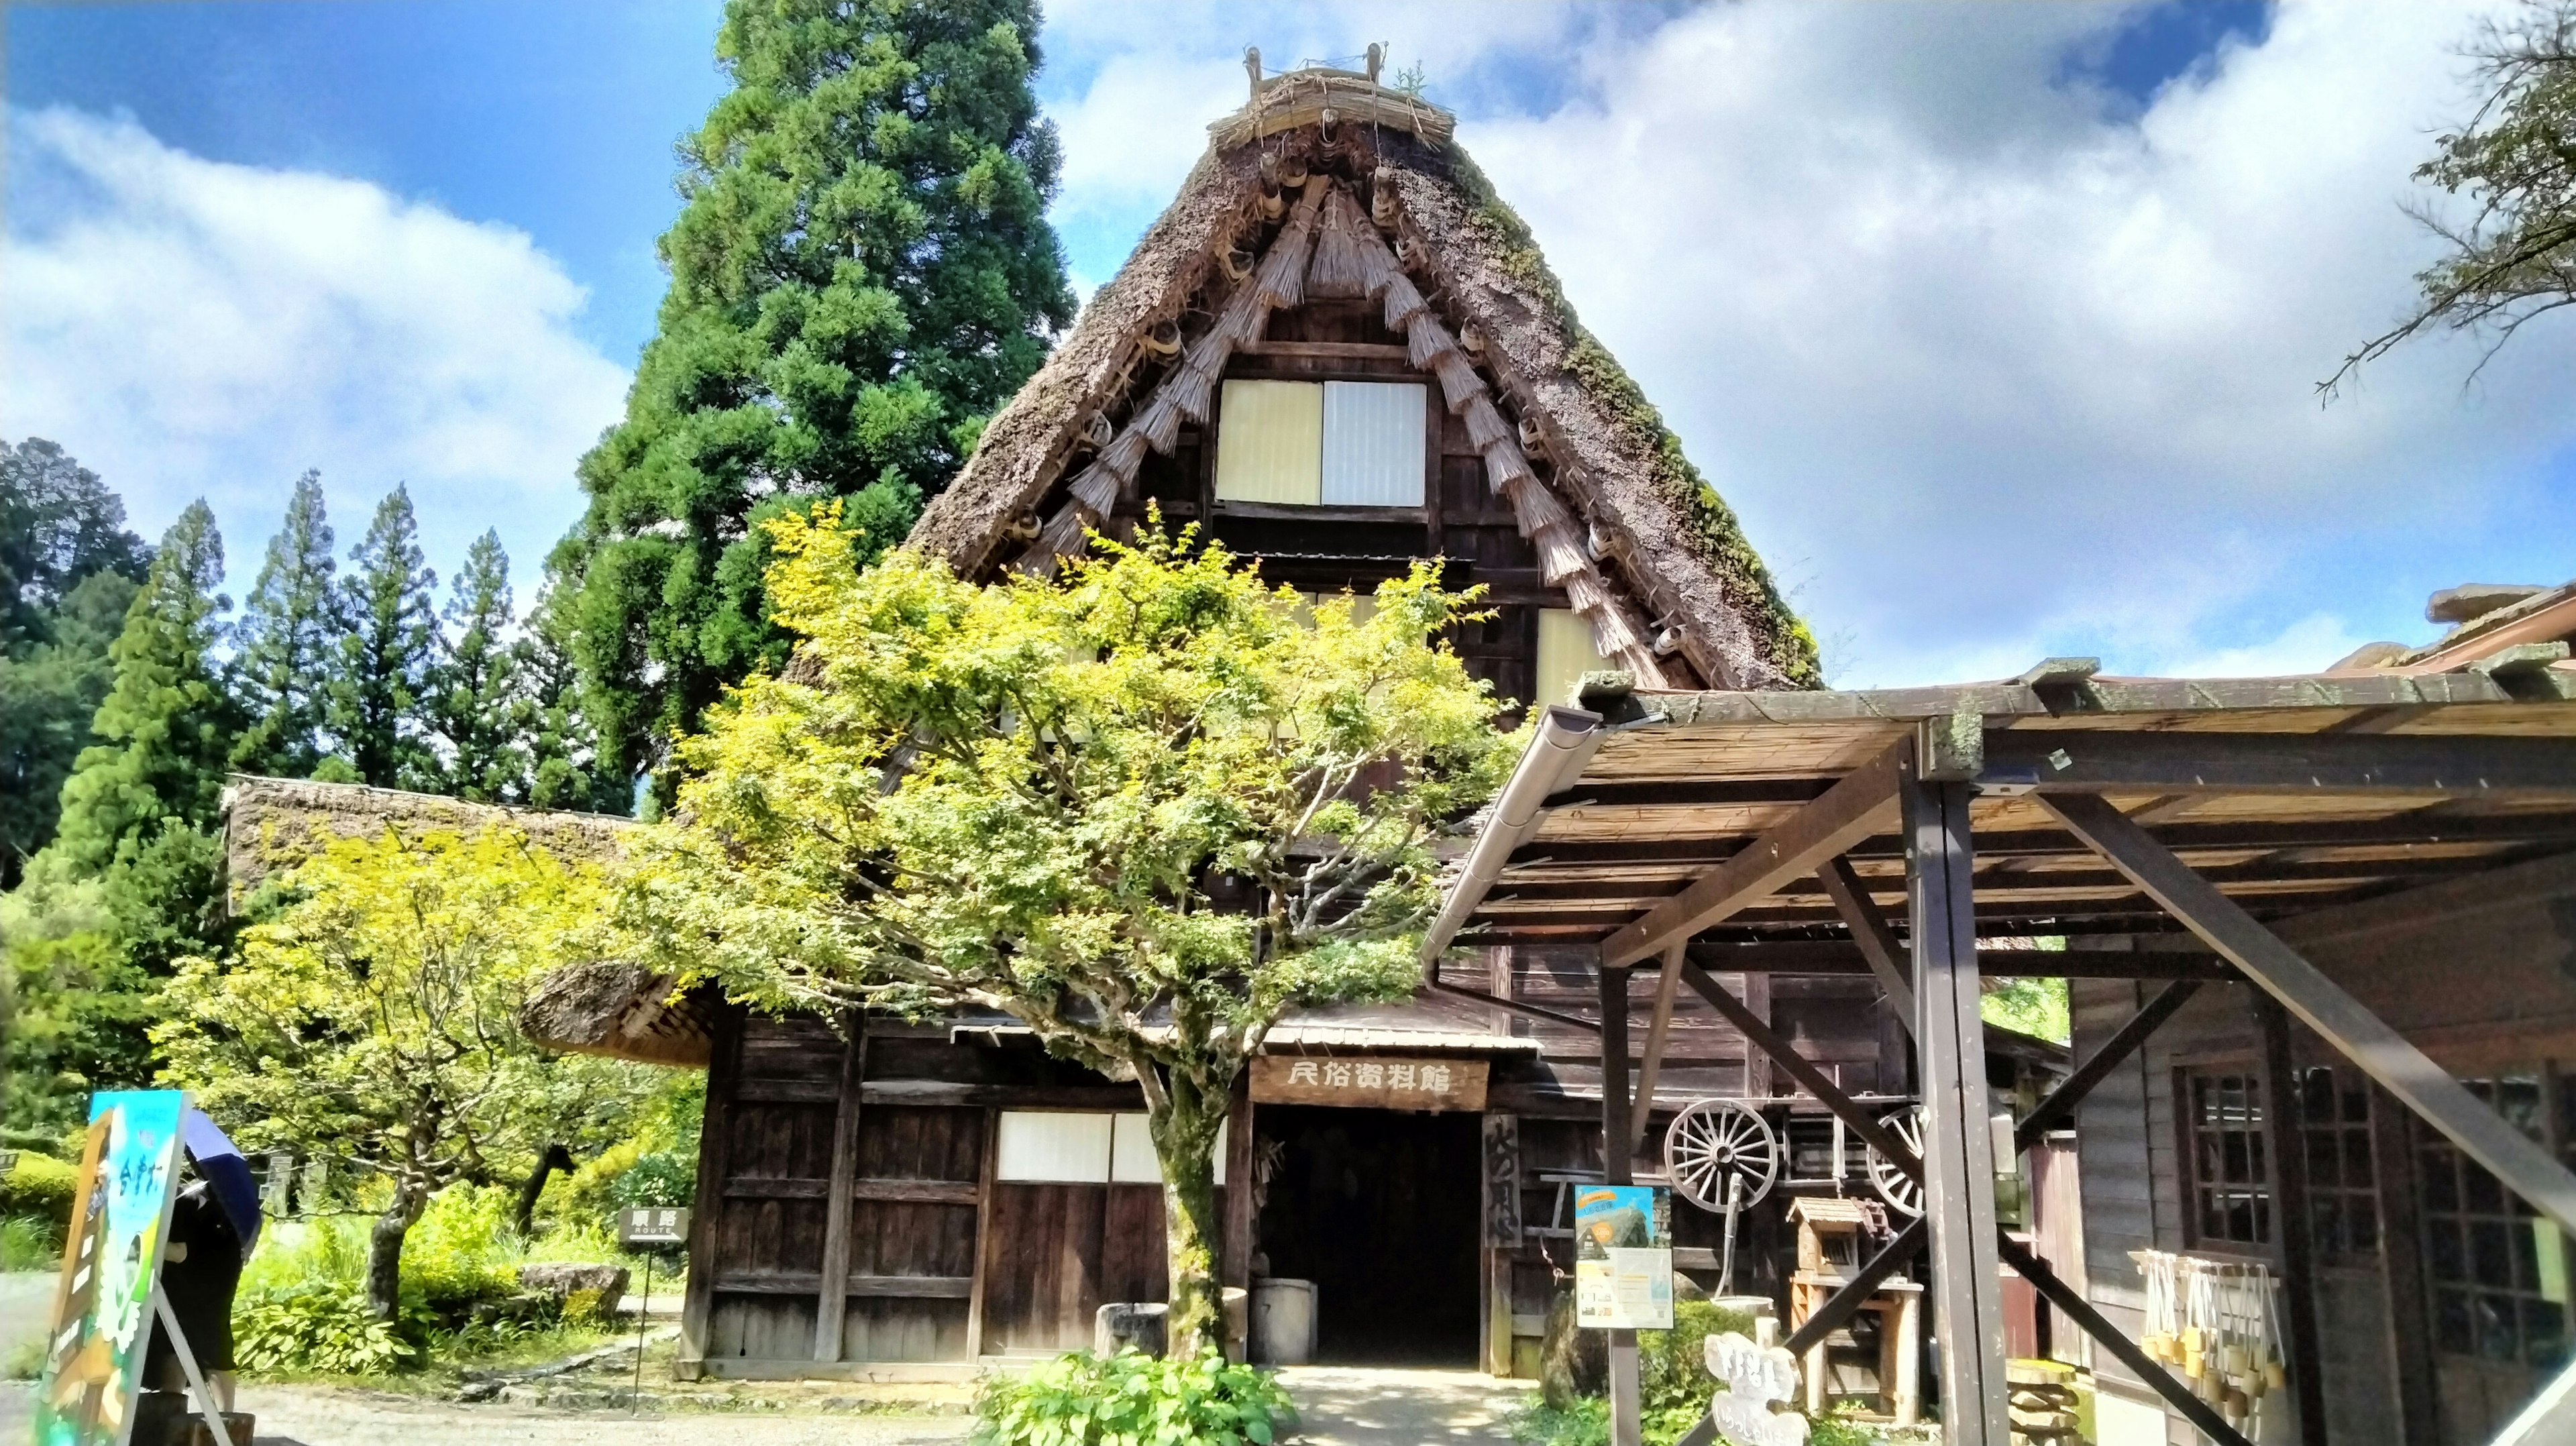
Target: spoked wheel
column 1902, row 1192
column 1721, row 1152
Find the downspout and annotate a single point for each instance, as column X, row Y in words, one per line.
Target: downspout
column 1555, row 758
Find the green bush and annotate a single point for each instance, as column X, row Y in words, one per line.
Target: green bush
column 1673, row 1385
column 41, row 1186
column 663, row 1177
column 1130, row 1399
column 319, row 1326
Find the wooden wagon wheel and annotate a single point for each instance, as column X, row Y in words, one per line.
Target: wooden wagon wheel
column 1902, row 1192
column 1714, row 1142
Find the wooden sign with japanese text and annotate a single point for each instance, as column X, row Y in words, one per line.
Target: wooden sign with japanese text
column 1374, row 1082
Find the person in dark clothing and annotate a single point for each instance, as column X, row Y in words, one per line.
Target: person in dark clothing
column 213, row 1225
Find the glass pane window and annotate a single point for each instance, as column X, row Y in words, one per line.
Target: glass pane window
column 2497, row 1272
column 2228, row 1175
column 2343, row 1183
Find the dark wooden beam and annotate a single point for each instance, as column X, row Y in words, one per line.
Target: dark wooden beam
column 2146, row 1368
column 1959, row 1166
column 1834, row 958
column 2323, row 1006
column 1877, row 942
column 1780, row 1052
column 2403, row 829
column 2002, row 881
column 1854, row 1293
column 2401, row 1244
column 2296, row 1251
column 715, row 1136
column 832, row 1299
column 1861, row 804
column 1689, row 792
column 2124, row 1041
column 1626, row 1405
column 2088, row 761
column 1517, row 1006
column 1658, row 1034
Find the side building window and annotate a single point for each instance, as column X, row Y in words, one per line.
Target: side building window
column 2343, row 1181
column 2226, row 1178
column 1068, row 1147
column 2497, row 1272
column 1322, row 444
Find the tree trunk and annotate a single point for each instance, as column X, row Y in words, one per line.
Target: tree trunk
column 552, row 1158
column 1184, row 1128
column 384, row 1248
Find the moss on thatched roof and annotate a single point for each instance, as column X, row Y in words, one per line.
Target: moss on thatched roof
column 1676, row 544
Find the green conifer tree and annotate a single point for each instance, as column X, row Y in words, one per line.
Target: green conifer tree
column 562, row 750
column 167, row 724
column 477, row 703
column 289, row 641
column 48, row 694
column 862, row 270
column 378, row 709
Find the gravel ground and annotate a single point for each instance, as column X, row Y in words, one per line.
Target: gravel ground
column 1349, row 1406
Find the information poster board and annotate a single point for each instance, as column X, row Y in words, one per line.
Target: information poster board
column 102, row 1318
column 1623, row 1258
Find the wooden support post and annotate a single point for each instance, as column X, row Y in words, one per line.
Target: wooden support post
column 1780, row 1052
column 1667, row 980
column 1626, row 1407
column 2145, row 1367
column 1861, row 804
column 1878, row 943
column 706, row 1233
column 2296, row 1252
column 977, row 1286
column 1959, row 1165
column 1758, row 1081
column 2401, row 1245
column 1241, row 1228
column 1854, row 1293
column 2070, row 1092
column 832, row 1299
column 2323, row 1006
column 1501, row 1236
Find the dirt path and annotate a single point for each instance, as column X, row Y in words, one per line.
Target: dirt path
column 1348, row 1406
column 1342, row 1407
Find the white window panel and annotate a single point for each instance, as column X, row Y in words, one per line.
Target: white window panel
column 1565, row 654
column 1373, row 444
column 1045, row 1145
column 1270, row 442
column 1132, row 1160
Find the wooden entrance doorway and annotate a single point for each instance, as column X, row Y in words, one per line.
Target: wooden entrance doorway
column 1379, row 1209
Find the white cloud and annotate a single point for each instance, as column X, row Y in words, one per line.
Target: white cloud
column 1997, row 366
column 190, row 328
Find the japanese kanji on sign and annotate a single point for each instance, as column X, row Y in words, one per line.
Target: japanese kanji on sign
column 1373, row 1082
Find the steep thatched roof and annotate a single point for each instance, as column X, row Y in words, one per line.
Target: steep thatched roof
column 605, row 1007
column 1667, row 539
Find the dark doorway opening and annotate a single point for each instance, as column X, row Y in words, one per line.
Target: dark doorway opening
column 1379, row 1209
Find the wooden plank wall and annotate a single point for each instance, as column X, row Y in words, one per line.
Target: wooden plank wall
column 2480, row 973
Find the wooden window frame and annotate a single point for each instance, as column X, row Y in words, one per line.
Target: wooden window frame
column 2260, row 1188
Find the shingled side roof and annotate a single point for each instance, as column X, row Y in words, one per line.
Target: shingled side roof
column 1674, row 544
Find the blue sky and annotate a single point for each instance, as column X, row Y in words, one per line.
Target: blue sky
column 1996, row 323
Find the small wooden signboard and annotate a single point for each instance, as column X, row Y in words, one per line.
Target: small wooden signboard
column 650, row 1225
column 1373, row 1082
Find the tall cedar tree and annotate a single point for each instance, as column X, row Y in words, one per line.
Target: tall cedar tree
column 476, row 703
column 561, row 748
column 289, row 640
column 379, row 693
column 167, row 725
column 68, row 569
column 861, row 272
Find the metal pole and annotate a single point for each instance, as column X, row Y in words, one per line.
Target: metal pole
column 1625, row 1406
column 643, row 1319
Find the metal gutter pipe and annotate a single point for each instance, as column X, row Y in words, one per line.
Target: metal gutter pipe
column 1555, row 758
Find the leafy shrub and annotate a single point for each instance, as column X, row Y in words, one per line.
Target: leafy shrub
column 1672, row 1380
column 663, row 1177
column 1130, row 1399
column 461, row 1254
column 28, row 1242
column 320, row 1326
column 41, row 1186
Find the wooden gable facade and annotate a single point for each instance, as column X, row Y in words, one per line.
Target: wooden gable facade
column 1336, row 353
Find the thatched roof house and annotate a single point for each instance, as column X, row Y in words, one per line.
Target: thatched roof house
column 1335, row 234
column 272, row 824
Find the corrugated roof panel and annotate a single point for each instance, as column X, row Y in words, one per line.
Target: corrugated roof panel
column 1373, row 444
